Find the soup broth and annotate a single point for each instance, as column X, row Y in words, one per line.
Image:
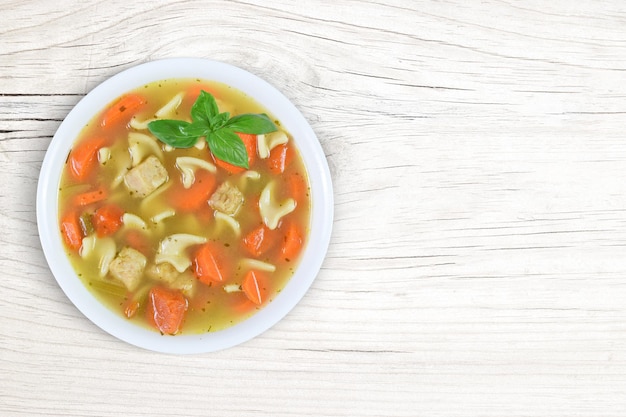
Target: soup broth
column 173, row 238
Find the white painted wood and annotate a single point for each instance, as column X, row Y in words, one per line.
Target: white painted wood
column 477, row 262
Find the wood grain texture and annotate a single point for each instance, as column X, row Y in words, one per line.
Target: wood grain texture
column 477, row 261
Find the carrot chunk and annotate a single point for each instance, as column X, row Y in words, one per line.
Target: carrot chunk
column 91, row 197
column 107, row 219
column 122, row 110
column 130, row 307
column 166, row 309
column 138, row 241
column 250, row 142
column 260, row 240
column 297, row 187
column 193, row 198
column 71, row 230
column 208, row 264
column 280, row 158
column 255, row 287
column 292, row 242
column 84, row 157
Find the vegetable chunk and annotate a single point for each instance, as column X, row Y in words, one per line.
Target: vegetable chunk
column 260, row 240
column 71, row 230
column 107, row 219
column 166, row 309
column 208, row 264
column 83, row 158
column 128, row 267
column 254, row 287
column 146, row 177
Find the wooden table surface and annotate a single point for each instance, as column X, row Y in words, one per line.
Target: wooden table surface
column 478, row 157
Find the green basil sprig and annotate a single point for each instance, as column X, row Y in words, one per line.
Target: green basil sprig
column 218, row 129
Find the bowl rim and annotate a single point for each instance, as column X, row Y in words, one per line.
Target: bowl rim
column 321, row 219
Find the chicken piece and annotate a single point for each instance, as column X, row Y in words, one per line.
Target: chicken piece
column 146, row 177
column 164, row 271
column 128, row 267
column 226, row 199
column 186, row 283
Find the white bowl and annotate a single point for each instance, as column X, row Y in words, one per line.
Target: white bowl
column 290, row 118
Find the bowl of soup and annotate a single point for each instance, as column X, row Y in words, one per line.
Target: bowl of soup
column 185, row 205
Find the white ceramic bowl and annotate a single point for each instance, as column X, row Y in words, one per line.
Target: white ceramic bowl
column 276, row 103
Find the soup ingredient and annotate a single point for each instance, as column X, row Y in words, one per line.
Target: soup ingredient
column 271, row 209
column 292, row 242
column 195, row 197
column 71, row 230
column 83, row 158
column 297, row 187
column 254, row 287
column 249, row 142
column 268, row 142
column 227, row 199
column 188, row 165
column 260, row 240
column 280, row 158
column 218, row 129
column 164, row 271
column 107, row 219
column 91, row 197
column 128, row 267
column 146, row 177
column 122, row 110
column 173, row 249
column 208, row 265
column 166, row 309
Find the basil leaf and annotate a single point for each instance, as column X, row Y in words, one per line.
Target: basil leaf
column 227, row 146
column 219, row 121
column 204, row 109
column 256, row 124
column 196, row 129
column 173, row 133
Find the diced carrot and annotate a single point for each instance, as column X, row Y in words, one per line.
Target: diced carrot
column 71, row 230
column 83, row 157
column 166, row 309
column 91, row 197
column 130, row 307
column 107, row 219
column 208, row 264
column 280, row 158
column 292, row 242
column 260, row 240
column 122, row 110
column 297, row 187
column 250, row 142
column 138, row 241
column 193, row 198
column 255, row 287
